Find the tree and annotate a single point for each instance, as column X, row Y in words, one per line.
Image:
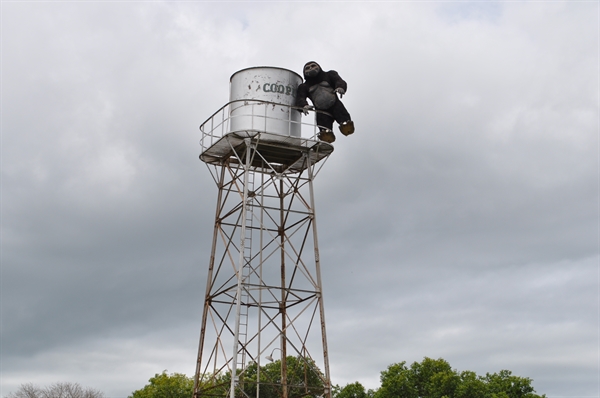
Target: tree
column 434, row 378
column 304, row 379
column 470, row 385
column 352, row 390
column 512, row 386
column 56, row 390
column 163, row 385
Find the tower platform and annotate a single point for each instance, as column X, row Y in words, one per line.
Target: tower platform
column 274, row 151
column 274, row 130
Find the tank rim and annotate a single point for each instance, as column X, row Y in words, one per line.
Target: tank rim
column 265, row 67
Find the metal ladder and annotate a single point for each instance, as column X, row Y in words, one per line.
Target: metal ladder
column 246, row 273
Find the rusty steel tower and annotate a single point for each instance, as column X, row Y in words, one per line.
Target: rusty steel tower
column 264, row 296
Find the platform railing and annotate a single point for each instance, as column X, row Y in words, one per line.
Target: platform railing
column 258, row 118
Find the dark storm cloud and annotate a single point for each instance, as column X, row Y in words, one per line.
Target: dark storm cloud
column 99, row 190
column 460, row 221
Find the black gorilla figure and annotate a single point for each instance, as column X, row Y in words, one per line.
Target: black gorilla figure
column 321, row 87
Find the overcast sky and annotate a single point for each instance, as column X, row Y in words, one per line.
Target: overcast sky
column 459, row 221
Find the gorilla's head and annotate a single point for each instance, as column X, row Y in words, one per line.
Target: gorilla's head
column 311, row 69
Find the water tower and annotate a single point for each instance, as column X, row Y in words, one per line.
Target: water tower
column 263, row 322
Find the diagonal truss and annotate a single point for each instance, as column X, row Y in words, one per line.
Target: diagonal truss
column 264, row 292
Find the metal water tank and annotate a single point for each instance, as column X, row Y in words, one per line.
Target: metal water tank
column 263, row 98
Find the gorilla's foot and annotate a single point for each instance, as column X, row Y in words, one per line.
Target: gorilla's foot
column 327, row 136
column 347, row 127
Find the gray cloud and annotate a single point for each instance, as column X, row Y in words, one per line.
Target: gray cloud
column 460, row 221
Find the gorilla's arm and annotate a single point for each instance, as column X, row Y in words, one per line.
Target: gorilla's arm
column 336, row 81
column 301, row 95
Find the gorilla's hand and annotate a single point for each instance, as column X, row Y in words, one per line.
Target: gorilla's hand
column 306, row 109
column 340, row 91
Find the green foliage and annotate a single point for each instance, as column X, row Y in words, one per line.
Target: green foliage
column 304, row 379
column 163, row 385
column 352, row 390
column 470, row 386
column 396, row 382
column 512, row 386
column 430, row 378
column 434, row 378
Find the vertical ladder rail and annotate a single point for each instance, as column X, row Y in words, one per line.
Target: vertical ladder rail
column 246, row 271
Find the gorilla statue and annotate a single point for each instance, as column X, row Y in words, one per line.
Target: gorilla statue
column 321, row 87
